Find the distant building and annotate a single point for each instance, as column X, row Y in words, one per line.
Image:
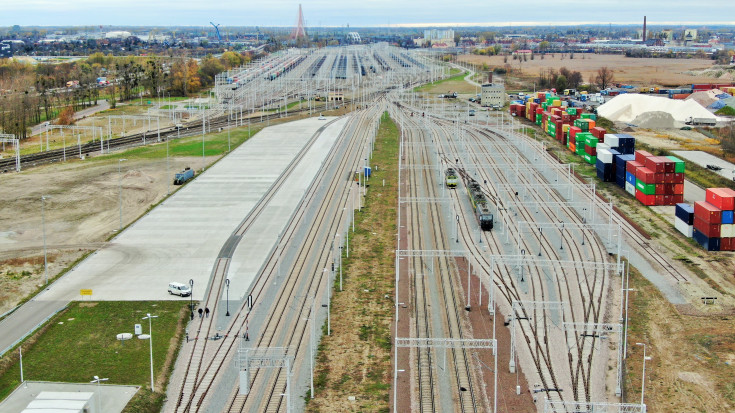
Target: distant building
column 353, row 37
column 6, row 50
column 523, row 52
column 690, row 36
column 117, row 35
column 493, row 94
column 439, row 38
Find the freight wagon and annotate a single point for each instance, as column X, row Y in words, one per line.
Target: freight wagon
column 480, row 205
column 183, row 176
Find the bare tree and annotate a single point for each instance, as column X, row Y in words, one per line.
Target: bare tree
column 604, row 77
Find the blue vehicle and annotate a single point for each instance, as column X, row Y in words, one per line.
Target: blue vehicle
column 183, row 176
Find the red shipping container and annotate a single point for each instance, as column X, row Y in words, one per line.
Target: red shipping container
column 659, row 178
column 660, row 189
column 708, row 229
column 668, row 178
column 598, row 132
column 566, row 119
column 590, row 150
column 645, row 175
column 726, row 244
column 679, row 189
column 679, row 198
column 573, row 131
column 647, row 200
column 720, row 198
column 640, row 156
column 707, row 212
column 659, row 199
column 655, row 164
column 679, row 178
column 670, row 189
column 680, row 96
column 728, row 191
column 632, row 166
column 668, row 199
column 669, row 166
column 539, row 110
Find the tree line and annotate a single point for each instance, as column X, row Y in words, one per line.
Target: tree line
column 31, row 94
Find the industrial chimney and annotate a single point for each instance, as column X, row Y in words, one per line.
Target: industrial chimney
column 490, row 76
column 644, row 29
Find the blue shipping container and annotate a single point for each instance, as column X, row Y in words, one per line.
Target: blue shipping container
column 727, row 217
column 630, row 178
column 368, row 171
column 710, row 244
column 685, row 212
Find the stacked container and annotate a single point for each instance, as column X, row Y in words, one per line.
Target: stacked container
column 625, row 144
column 657, row 182
column 684, row 219
column 707, row 223
column 723, row 200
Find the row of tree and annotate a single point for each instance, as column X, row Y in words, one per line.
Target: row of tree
column 31, row 94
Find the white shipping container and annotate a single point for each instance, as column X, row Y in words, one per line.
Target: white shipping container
column 727, row 230
column 682, row 227
column 604, row 155
column 629, row 188
column 603, row 145
column 612, row 140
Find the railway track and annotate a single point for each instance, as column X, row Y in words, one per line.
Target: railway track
column 590, row 286
column 296, row 292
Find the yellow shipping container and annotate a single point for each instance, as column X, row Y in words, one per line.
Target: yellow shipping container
column 556, row 103
column 565, row 128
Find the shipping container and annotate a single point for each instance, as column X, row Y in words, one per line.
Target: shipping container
column 648, row 189
column 683, row 227
column 645, row 199
column 645, row 175
column 685, row 212
column 707, row 212
column 728, row 218
column 630, row 188
column 720, row 198
column 727, row 230
column 640, row 156
column 709, row 244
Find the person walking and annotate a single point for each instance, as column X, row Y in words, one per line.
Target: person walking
column 200, row 311
column 206, row 311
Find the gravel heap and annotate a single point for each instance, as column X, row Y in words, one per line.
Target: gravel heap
column 628, row 107
column 654, row 120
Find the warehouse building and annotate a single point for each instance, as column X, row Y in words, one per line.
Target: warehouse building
column 493, row 94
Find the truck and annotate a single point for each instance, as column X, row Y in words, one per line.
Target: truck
column 700, row 121
column 183, row 176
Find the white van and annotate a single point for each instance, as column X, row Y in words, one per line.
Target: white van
column 180, row 289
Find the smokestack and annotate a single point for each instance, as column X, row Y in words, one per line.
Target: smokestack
column 490, row 77
column 644, row 29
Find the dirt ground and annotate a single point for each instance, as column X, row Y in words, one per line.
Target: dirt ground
column 675, row 139
column 646, row 71
column 81, row 213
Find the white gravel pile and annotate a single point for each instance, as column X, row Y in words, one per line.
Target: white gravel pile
column 627, row 107
column 654, row 120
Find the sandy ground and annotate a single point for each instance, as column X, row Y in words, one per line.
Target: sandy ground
column 675, row 139
column 649, row 71
column 82, row 212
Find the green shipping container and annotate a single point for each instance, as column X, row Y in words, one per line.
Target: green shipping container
column 648, row 189
column 678, row 164
column 580, row 150
column 589, row 158
column 591, row 141
column 572, row 111
column 590, row 116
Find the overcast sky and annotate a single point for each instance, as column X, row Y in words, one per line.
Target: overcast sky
column 360, row 12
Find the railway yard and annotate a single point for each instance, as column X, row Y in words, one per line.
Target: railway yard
column 511, row 275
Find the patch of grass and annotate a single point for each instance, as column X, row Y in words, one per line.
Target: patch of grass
column 81, row 342
column 362, row 313
column 214, row 144
column 452, row 78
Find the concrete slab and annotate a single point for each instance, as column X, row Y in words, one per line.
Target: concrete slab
column 112, row 398
column 703, row 159
column 256, row 244
column 180, row 239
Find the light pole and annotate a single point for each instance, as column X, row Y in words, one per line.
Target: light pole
column 119, row 173
column 227, row 284
column 97, row 380
column 191, row 295
column 643, row 379
column 43, row 223
column 311, row 346
column 150, row 342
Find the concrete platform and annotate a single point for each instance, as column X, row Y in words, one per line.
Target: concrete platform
column 113, row 398
column 180, row 239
